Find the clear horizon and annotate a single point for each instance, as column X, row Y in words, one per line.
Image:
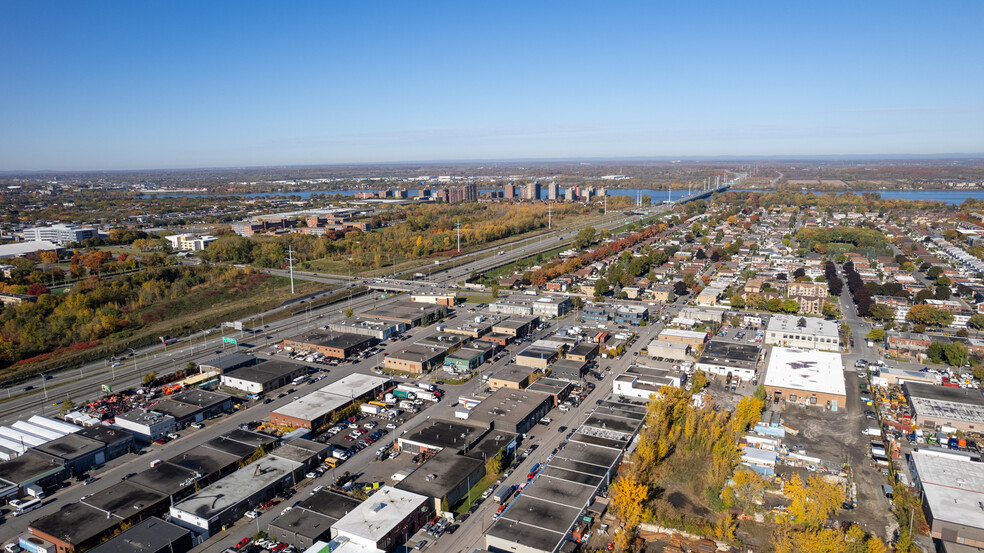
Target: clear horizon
column 124, row 86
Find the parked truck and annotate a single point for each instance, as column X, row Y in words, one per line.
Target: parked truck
column 403, row 394
column 503, row 494
column 429, row 396
column 371, row 409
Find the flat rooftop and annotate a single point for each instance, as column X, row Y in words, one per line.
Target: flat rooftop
column 534, row 352
column 26, row 467
column 70, row 446
column 418, row 354
column 143, row 416
column 206, row 460
column 952, row 487
column 955, row 404
column 806, row 370
column 446, row 434
column 166, row 478
column 467, row 354
column 508, row 406
column 267, row 371
column 720, row 352
column 123, row 498
column 229, row 362
column 375, row 517
column 803, row 325
column 75, row 523
column 147, row 536
column 239, row 485
column 441, row 474
column 201, row 398
column 329, row 339
column 329, row 503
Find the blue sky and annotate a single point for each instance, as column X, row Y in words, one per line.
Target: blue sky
column 142, row 85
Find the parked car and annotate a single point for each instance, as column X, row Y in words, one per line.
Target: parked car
column 243, row 542
column 252, row 514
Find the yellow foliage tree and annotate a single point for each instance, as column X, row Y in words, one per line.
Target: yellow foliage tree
column 628, row 500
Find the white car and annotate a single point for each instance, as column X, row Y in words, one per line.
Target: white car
column 12, row 548
column 311, row 475
column 252, row 514
column 391, row 426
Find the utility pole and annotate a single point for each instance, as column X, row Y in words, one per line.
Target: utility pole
column 549, row 223
column 290, row 260
column 458, row 226
column 606, row 204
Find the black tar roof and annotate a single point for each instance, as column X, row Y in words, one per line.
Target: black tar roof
column 229, row 362
column 266, row 372
column 340, row 340
column 75, row 523
column 124, row 499
column 329, row 503
column 441, row 474
column 70, row 446
column 166, row 478
column 205, row 460
column 26, row 467
column 445, row 433
column 149, row 535
column 105, row 434
column 945, row 393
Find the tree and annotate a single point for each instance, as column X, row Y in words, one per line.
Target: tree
column 602, row 287
column 149, row 378
column 790, row 306
column 67, row 406
column 348, row 312
column 976, row 321
column 929, row 316
column 814, row 502
column 956, row 354
column 934, row 272
column 943, row 280
column 737, row 301
column 680, row 288
column 882, row 312
column 942, row 292
column 923, row 295
column 628, row 500
column 495, row 291
column 875, row 335
column 584, row 237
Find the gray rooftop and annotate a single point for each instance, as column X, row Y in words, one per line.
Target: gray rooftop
column 229, row 362
column 148, row 536
column 441, row 474
column 239, row 485
column 70, row 446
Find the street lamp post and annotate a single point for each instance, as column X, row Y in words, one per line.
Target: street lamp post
column 134, row 363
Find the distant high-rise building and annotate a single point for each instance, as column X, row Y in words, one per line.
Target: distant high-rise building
column 533, row 190
column 569, row 194
column 552, row 189
column 509, row 192
column 601, row 192
column 443, row 194
column 59, row 234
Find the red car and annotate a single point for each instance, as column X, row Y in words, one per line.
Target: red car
column 279, row 547
column 243, row 542
column 501, row 508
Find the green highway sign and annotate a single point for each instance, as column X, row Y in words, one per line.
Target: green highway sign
column 228, row 340
column 106, row 388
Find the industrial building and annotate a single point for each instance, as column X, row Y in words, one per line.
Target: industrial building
column 514, row 411
column 263, row 377
column 225, row 501
column 330, row 344
column 146, row 425
column 569, row 369
column 802, row 332
column 536, row 357
column 806, row 376
column 643, row 382
column 17, row 438
column 313, row 410
column 414, row 359
column 516, row 327
column 446, row 477
column 59, row 234
column 20, row 473
column 668, row 351
column 689, row 337
column 545, row 514
column 194, row 405
column 516, row 377
column 151, row 535
column 75, row 527
column 76, row 453
column 730, row 359
column 311, row 520
column 934, row 407
column 226, row 363
column 951, row 488
column 385, row 519
column 373, row 328
column 410, row 313
column 466, row 359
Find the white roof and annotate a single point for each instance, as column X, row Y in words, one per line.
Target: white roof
column 18, row 249
column 341, row 544
column 810, row 325
column 807, row 370
column 758, row 456
column 683, row 333
column 375, row 517
column 953, row 487
column 54, row 424
column 236, row 487
column 331, row 397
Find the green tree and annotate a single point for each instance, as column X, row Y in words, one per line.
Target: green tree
column 149, row 377
column 875, row 335
column 584, row 237
column 790, row 306
column 934, row 272
column 976, row 321
column 349, row 312
column 495, row 291
column 929, row 316
column 67, row 406
column 882, row 312
column 956, row 354
column 602, row 287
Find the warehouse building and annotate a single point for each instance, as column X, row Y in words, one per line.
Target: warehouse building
column 794, row 331
column 386, row 519
column 644, row 382
column 263, row 377
column 472, row 329
column 668, row 351
column 558, row 389
column 194, row 405
column 936, row 406
column 569, row 369
column 25, row 471
column 226, row 363
column 730, row 359
column 76, row 453
column 514, row 411
column 410, row 313
column 330, row 344
column 130, row 502
column 446, row 477
column 689, row 337
column 414, row 359
column 516, row 377
column 117, row 442
column 809, row 377
column 315, row 409
column 146, row 425
column 584, row 351
column 373, row 328
column 438, row 434
column 311, row 520
column 226, row 501
column 536, row 357
column 152, row 535
column 951, row 496
column 516, row 327
column 466, row 359
column 75, row 527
